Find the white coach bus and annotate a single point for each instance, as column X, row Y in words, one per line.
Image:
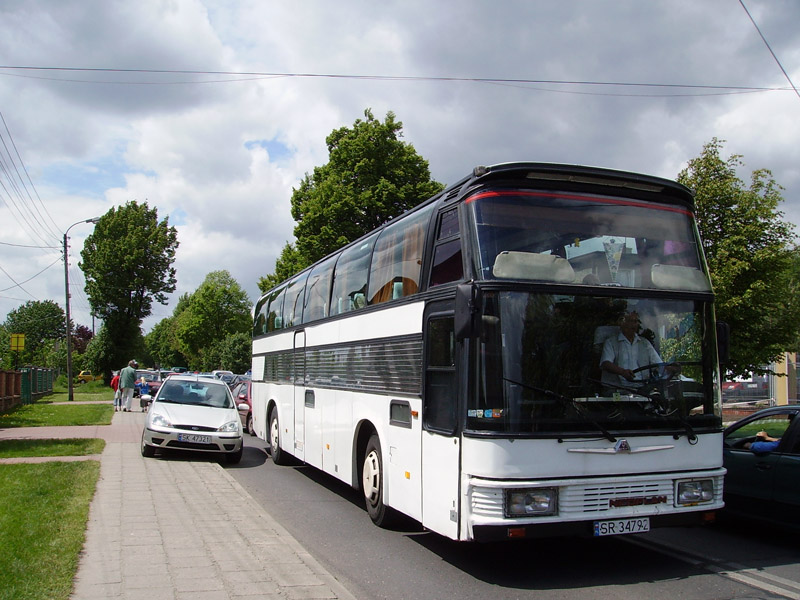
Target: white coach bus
column 477, row 363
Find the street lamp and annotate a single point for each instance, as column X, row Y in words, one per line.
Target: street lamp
column 70, row 395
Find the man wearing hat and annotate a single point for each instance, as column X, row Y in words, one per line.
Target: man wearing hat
column 127, row 381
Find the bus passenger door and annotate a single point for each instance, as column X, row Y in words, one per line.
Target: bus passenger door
column 298, row 380
column 441, row 448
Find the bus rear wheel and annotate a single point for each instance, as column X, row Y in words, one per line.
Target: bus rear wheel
column 372, row 483
column 279, row 457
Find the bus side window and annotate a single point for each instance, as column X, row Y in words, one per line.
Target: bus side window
column 397, row 261
column 293, row 304
column 318, row 290
column 447, row 265
column 260, row 322
column 350, row 276
column 275, row 310
column 439, row 404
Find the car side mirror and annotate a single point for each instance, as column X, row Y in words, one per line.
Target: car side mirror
column 243, row 406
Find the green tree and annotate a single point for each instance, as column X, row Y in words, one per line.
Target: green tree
column 162, row 344
column 237, row 352
column 371, row 176
column 127, row 262
column 218, row 308
column 41, row 322
column 288, row 263
column 751, row 256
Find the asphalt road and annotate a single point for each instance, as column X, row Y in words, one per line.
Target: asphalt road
column 328, row 519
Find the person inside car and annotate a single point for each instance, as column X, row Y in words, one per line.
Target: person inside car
column 764, row 443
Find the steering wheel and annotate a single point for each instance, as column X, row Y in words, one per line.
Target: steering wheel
column 660, row 377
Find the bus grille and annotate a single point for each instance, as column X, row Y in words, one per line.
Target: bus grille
column 575, row 500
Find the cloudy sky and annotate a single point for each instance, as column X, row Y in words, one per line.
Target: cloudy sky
column 248, row 91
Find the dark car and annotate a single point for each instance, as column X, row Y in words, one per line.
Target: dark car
column 241, row 394
column 764, row 483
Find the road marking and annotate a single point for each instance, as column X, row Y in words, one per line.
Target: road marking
column 755, row 578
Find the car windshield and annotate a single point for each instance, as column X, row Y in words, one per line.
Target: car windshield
column 146, row 375
column 199, row 393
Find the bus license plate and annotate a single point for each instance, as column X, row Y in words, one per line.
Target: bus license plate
column 194, row 438
column 621, row 526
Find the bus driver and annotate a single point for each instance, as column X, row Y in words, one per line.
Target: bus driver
column 626, row 352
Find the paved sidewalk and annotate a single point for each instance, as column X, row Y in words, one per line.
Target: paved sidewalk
column 176, row 528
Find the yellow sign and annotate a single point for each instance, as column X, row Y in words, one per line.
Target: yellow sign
column 17, row 342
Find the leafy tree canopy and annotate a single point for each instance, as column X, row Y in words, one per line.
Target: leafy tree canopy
column 371, row 177
column 751, row 256
column 127, row 262
column 218, row 308
column 41, row 322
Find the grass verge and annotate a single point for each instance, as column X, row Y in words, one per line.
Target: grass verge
column 65, row 447
column 43, row 414
column 43, row 513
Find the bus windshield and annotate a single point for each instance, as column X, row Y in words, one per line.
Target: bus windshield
column 586, row 240
column 539, row 365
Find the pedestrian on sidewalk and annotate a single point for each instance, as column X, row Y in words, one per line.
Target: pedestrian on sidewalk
column 117, row 391
column 127, row 381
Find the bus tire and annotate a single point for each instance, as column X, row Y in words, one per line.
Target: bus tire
column 279, row 457
column 372, row 484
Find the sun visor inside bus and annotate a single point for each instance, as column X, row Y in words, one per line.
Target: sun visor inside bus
column 528, row 265
column 676, row 277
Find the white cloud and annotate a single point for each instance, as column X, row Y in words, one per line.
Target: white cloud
column 201, row 152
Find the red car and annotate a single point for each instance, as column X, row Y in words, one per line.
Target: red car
column 241, row 394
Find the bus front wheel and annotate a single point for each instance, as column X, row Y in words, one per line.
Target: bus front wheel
column 279, row 457
column 372, row 482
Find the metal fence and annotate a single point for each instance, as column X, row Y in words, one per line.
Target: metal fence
column 24, row 386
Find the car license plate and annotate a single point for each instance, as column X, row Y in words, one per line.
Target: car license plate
column 622, row 526
column 194, row 438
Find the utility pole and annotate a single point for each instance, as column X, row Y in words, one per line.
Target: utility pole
column 70, row 391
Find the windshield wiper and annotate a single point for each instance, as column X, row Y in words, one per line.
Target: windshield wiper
column 569, row 402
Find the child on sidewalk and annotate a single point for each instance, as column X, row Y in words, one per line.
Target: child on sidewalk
column 117, row 391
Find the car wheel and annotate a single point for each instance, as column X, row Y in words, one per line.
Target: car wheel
column 250, row 428
column 279, row 457
column 233, row 458
column 372, row 484
column 147, row 450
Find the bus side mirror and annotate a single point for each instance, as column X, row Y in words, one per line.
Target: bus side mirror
column 723, row 342
column 468, row 303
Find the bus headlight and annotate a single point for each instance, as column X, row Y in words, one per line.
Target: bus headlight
column 695, row 491
column 531, row 502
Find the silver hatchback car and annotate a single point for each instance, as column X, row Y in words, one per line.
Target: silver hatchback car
column 196, row 414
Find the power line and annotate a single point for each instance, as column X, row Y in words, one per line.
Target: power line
column 24, row 208
column 24, row 168
column 26, row 246
column 19, row 285
column 491, row 80
column 764, row 39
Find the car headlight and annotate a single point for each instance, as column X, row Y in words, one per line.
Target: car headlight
column 230, row 427
column 696, row 491
column 160, row 421
column 531, row 502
